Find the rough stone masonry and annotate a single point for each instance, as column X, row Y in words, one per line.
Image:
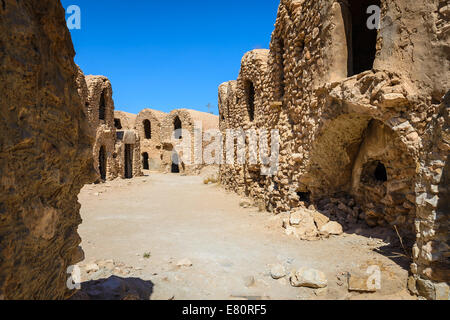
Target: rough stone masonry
column 45, row 151
column 363, row 117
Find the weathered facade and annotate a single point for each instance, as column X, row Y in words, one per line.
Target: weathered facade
column 185, row 120
column 116, row 150
column 45, row 151
column 148, row 125
column 363, row 121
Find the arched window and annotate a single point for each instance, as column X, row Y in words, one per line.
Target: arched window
column 361, row 41
column 177, row 126
column 250, row 95
column 102, row 107
column 147, row 129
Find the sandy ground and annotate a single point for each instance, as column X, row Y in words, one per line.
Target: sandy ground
column 140, row 229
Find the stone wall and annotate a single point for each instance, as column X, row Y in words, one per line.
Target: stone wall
column 45, row 151
column 361, row 119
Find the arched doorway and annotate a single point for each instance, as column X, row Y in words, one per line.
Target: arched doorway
column 145, row 161
column 102, row 162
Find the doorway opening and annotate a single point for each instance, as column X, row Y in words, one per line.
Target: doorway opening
column 102, row 163
column 128, row 161
column 175, row 163
column 145, row 162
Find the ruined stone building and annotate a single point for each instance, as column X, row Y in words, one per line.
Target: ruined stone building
column 363, row 120
column 45, row 150
column 125, row 143
column 184, row 121
column 116, row 149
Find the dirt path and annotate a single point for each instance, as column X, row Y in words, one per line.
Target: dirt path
column 232, row 249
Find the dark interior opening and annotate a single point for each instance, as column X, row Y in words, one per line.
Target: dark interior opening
column 250, row 94
column 361, row 40
column 102, row 162
column 380, row 173
column 118, row 124
column 374, row 172
column 177, row 126
column 128, row 161
column 147, row 129
column 304, row 197
column 102, row 107
column 175, row 163
column 145, row 163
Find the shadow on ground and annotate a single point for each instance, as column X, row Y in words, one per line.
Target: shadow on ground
column 115, row 288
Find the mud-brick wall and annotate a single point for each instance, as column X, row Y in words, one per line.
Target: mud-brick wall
column 45, row 151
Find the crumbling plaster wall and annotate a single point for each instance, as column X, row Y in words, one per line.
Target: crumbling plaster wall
column 45, row 151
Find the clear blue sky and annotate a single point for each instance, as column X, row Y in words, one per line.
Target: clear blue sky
column 169, row 54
